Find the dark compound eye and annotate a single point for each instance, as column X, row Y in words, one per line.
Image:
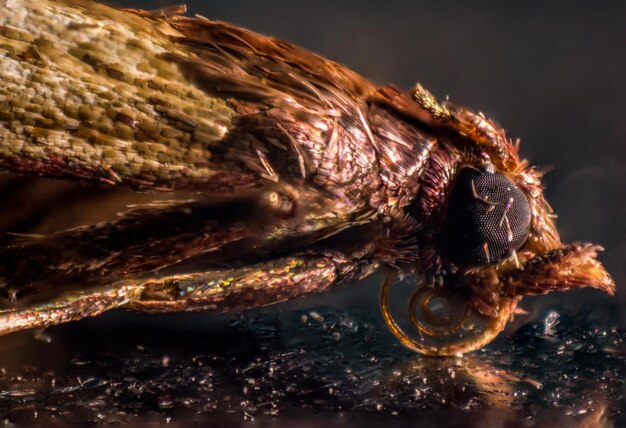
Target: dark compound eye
column 487, row 217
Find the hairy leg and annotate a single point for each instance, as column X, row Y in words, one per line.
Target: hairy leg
column 250, row 286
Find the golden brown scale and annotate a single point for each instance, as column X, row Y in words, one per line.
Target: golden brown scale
column 305, row 175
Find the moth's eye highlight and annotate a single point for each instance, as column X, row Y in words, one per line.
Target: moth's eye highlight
column 487, row 217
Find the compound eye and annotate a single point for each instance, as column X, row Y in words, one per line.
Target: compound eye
column 486, row 219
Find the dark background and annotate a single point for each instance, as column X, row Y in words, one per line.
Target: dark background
column 553, row 75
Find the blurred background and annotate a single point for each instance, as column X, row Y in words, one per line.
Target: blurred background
column 551, row 73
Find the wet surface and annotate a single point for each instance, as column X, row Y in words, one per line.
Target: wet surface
column 311, row 364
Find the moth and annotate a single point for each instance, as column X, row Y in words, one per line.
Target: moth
column 303, row 175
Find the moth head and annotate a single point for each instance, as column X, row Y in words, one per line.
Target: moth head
column 488, row 225
column 486, row 218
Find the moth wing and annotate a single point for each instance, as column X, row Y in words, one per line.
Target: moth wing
column 160, row 102
column 163, row 102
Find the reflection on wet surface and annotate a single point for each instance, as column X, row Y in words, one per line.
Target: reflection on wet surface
column 323, row 363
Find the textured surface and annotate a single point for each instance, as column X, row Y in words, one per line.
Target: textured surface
column 94, row 97
column 487, row 218
column 309, row 366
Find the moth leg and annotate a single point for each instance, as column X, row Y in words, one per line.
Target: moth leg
column 247, row 287
column 154, row 236
column 262, row 284
column 70, row 306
